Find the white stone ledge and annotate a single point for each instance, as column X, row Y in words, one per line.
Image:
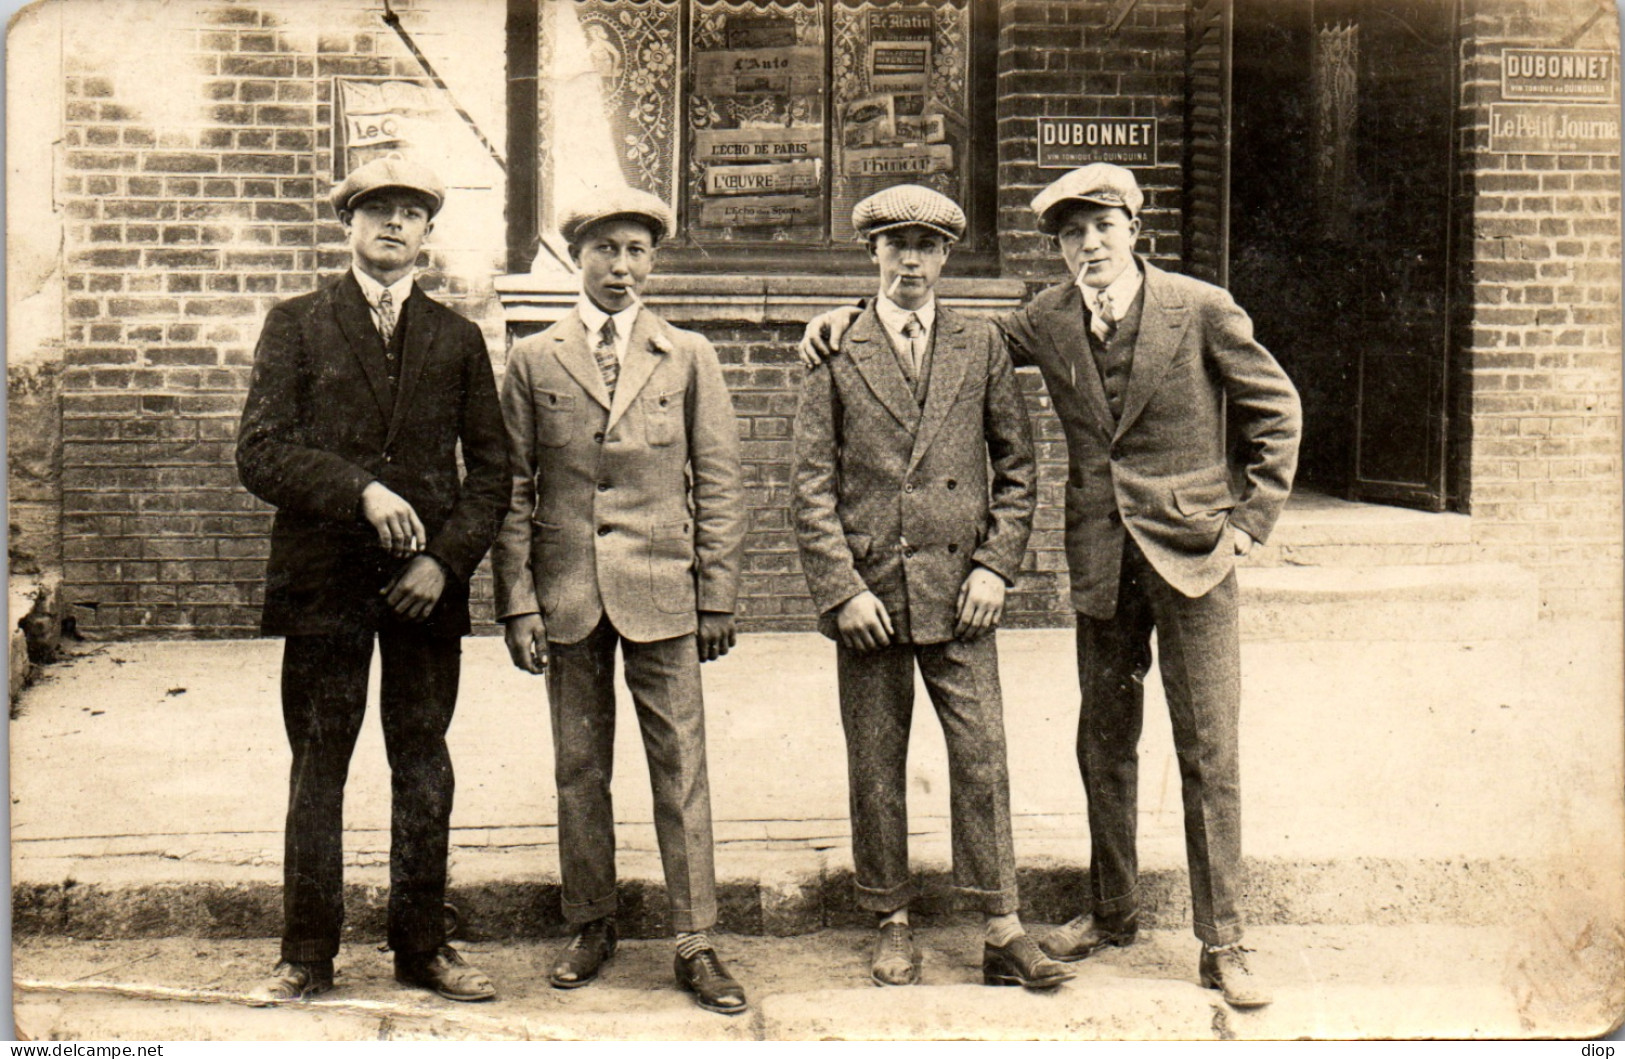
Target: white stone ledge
column 685, row 298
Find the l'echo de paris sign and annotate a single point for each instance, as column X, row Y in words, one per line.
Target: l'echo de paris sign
column 1066, row 143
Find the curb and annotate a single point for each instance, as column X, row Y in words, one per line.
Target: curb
column 779, row 895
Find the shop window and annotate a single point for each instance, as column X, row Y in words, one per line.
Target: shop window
column 763, row 123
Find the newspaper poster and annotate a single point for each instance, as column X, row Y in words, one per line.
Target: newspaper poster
column 759, row 71
column 899, row 53
column 762, row 179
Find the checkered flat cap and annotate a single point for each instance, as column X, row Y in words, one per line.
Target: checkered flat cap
column 616, row 204
column 381, row 173
column 905, row 205
column 1099, row 183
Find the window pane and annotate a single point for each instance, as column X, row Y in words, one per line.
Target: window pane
column 608, row 84
column 901, row 100
column 756, row 122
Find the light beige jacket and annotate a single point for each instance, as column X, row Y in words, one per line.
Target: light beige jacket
column 631, row 509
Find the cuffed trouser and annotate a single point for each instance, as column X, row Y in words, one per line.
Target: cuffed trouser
column 877, row 708
column 1199, row 650
column 664, row 679
column 324, row 699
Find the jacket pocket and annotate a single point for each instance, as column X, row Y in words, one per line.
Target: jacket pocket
column 661, row 415
column 671, row 567
column 1204, row 499
column 555, row 417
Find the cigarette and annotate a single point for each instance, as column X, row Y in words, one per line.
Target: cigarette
column 891, row 291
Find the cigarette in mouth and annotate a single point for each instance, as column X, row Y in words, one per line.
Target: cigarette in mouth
column 891, row 291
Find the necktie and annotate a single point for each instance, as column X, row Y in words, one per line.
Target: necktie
column 1104, row 323
column 386, row 316
column 914, row 331
column 605, row 353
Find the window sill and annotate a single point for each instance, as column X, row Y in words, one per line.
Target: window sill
column 533, row 298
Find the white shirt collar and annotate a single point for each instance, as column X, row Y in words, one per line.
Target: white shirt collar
column 894, row 317
column 593, row 317
column 372, row 290
column 1122, row 290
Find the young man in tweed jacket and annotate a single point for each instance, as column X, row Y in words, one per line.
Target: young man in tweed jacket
column 908, row 548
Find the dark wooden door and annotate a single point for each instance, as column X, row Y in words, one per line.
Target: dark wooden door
column 1405, row 167
column 1338, row 239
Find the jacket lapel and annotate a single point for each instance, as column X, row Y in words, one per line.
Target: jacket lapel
column 871, row 353
column 643, row 352
column 1163, row 320
column 1067, row 331
column 948, row 367
column 361, row 335
column 420, row 327
column 570, row 344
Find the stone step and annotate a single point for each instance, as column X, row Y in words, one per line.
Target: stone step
column 1440, row 602
column 1318, row 530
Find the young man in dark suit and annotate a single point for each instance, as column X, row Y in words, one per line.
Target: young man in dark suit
column 1151, row 374
column 913, row 499
column 362, row 393
column 623, row 534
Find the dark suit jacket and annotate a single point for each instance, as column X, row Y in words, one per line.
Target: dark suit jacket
column 1162, row 472
column 897, row 498
column 319, row 426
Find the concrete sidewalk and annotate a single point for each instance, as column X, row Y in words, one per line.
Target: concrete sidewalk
column 1415, row 980
column 1384, row 781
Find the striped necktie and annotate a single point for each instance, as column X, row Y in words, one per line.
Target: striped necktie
column 1104, row 322
column 608, row 365
column 914, row 331
column 386, row 316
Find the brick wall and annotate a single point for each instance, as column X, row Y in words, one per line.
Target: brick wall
column 1538, row 408
column 191, row 207
column 1061, row 58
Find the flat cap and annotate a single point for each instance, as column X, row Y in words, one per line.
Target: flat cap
column 1100, row 183
column 905, row 205
column 615, row 204
column 381, row 173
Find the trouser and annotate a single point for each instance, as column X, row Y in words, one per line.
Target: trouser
column 664, row 679
column 877, row 708
column 324, row 698
column 1199, row 651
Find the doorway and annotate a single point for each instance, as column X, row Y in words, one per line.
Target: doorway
column 1339, row 228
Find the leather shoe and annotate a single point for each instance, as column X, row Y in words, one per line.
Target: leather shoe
column 582, row 957
column 443, row 971
column 895, row 960
column 1225, row 968
column 1085, row 935
column 1023, row 963
column 293, row 981
column 713, row 987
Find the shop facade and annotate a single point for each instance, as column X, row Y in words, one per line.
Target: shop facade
column 1417, row 200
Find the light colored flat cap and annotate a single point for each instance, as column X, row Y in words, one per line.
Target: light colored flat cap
column 1100, row 183
column 615, row 204
column 381, row 173
column 905, row 205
